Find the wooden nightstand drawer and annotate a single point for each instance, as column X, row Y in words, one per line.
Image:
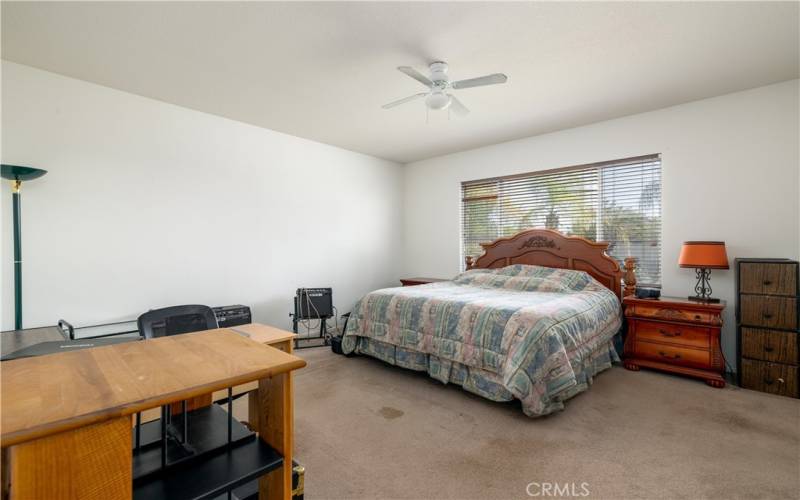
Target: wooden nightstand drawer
column 769, row 311
column 671, row 333
column 775, row 378
column 769, row 345
column 673, row 354
column 674, row 314
column 768, row 278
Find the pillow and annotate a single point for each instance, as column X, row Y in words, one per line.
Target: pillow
column 529, row 278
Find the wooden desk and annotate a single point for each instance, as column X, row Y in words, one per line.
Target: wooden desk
column 66, row 419
column 263, row 334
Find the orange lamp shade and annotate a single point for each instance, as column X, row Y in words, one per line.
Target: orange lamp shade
column 704, row 254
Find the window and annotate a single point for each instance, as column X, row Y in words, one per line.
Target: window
column 618, row 202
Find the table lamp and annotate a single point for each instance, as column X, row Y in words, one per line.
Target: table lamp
column 16, row 174
column 704, row 256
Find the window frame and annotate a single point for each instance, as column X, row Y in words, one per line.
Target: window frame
column 596, row 166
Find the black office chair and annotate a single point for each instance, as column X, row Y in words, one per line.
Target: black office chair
column 176, row 320
column 164, row 322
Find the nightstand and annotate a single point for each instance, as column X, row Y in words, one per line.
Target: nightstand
column 419, row 281
column 675, row 335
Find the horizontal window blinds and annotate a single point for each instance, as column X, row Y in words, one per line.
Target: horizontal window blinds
column 618, row 202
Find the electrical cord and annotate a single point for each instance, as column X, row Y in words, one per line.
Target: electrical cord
column 336, row 320
column 306, row 322
column 725, row 361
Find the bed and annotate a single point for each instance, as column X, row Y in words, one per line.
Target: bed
column 533, row 318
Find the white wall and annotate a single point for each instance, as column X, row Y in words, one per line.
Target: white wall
column 729, row 172
column 147, row 204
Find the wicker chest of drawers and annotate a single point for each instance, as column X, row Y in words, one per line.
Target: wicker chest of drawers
column 767, row 329
column 675, row 335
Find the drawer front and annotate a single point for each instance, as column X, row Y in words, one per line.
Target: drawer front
column 774, row 378
column 770, row 312
column 674, row 354
column 769, row 345
column 694, row 336
column 768, row 278
column 655, row 312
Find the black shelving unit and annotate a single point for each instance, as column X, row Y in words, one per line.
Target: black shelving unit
column 248, row 491
column 198, row 454
column 212, row 476
column 206, row 432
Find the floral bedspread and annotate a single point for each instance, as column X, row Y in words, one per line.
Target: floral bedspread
column 533, row 333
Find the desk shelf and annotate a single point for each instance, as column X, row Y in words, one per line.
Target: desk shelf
column 207, row 465
column 212, row 476
column 208, row 432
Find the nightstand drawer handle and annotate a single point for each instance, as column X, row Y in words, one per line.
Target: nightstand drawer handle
column 669, row 334
column 767, row 282
column 769, row 381
column 665, row 355
column 767, row 315
column 697, row 317
column 768, row 348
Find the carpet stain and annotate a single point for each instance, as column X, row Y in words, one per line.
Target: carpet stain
column 739, row 423
column 466, row 418
column 390, row 413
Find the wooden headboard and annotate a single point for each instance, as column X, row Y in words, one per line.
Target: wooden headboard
column 545, row 247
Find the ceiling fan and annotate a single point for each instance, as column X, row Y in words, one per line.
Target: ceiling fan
column 438, row 96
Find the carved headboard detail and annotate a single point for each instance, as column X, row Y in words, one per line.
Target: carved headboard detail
column 546, row 247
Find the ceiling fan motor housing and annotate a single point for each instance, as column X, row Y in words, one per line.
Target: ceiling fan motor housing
column 439, row 73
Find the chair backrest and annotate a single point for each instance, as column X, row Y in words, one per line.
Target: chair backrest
column 176, row 320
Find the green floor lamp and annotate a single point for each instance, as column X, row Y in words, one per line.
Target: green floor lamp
column 16, row 174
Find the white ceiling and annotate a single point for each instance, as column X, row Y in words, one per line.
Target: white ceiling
column 323, row 70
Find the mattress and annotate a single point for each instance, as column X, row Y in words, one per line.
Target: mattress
column 531, row 333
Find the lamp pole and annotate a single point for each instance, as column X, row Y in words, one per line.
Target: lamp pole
column 15, row 185
column 16, row 174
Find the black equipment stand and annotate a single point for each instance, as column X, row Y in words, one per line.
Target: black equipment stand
column 297, row 316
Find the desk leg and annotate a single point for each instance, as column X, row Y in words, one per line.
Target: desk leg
column 6, row 473
column 252, row 399
column 92, row 462
column 272, row 415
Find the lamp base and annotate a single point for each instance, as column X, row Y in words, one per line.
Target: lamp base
column 702, row 290
column 705, row 300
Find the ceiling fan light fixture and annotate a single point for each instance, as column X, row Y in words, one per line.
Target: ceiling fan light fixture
column 437, row 100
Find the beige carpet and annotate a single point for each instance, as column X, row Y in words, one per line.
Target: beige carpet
column 365, row 429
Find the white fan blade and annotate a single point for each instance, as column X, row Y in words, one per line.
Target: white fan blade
column 457, row 106
column 480, row 81
column 416, row 75
column 404, row 100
